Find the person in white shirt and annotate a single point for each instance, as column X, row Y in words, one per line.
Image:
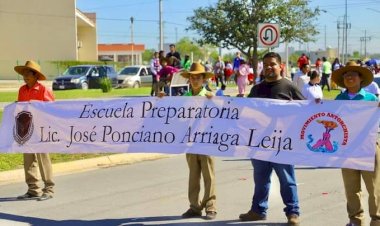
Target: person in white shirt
column 302, row 78
column 155, row 67
column 373, row 88
column 312, row 90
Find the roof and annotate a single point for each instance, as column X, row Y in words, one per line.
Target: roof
column 121, row 47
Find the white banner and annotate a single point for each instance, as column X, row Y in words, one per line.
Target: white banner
column 331, row 134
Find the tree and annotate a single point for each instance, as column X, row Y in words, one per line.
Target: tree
column 186, row 46
column 147, row 55
column 234, row 23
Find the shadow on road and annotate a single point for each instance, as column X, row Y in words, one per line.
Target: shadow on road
column 119, row 222
column 13, row 199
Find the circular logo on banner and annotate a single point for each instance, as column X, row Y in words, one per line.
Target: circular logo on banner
column 325, row 132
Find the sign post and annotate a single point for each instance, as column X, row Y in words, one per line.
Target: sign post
column 268, row 35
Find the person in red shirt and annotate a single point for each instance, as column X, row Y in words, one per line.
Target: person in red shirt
column 303, row 59
column 33, row 90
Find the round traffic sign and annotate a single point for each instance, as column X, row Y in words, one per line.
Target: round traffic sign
column 269, row 34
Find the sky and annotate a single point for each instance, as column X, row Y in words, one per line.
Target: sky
column 114, row 25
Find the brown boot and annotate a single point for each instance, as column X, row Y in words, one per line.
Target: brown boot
column 252, row 216
column 293, row 219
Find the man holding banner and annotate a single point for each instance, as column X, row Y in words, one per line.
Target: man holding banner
column 200, row 164
column 353, row 77
column 274, row 86
column 33, row 90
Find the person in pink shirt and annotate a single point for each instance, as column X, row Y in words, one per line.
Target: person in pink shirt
column 242, row 77
column 33, row 90
column 164, row 76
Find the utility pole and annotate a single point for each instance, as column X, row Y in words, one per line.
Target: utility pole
column 346, row 27
column 339, row 26
column 365, row 39
column 161, row 26
column 361, row 49
column 176, row 35
column 325, row 38
column 132, row 40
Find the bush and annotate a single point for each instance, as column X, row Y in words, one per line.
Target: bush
column 105, row 84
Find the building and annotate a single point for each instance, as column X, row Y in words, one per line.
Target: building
column 46, row 31
column 130, row 54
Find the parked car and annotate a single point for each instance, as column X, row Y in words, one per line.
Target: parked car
column 134, row 77
column 85, row 77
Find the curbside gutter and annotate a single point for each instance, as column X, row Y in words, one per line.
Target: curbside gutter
column 63, row 168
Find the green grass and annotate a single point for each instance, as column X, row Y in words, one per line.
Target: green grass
column 15, row 161
column 330, row 95
column 91, row 93
column 8, row 96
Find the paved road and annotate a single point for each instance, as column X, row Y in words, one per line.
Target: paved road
column 155, row 193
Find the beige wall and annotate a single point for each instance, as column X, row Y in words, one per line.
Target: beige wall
column 43, row 30
column 88, row 50
column 39, row 29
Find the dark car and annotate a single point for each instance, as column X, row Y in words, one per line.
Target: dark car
column 85, row 77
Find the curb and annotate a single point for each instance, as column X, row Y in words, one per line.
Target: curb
column 63, row 168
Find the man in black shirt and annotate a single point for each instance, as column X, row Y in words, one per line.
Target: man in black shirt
column 176, row 56
column 274, row 86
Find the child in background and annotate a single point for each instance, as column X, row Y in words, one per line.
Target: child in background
column 220, row 91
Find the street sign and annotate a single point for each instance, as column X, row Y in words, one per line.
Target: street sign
column 268, row 35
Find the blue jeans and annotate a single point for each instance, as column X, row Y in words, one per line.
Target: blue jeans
column 288, row 187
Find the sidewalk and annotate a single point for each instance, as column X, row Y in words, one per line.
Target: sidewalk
column 14, row 85
column 63, row 168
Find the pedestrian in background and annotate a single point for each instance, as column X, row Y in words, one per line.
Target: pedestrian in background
column 219, row 71
column 273, row 86
column 220, row 92
column 326, row 72
column 373, row 88
column 176, row 56
column 301, row 78
column 33, row 90
column 312, row 90
column 228, row 71
column 354, row 77
column 165, row 75
column 303, row 59
column 318, row 66
column 242, row 77
column 155, row 67
column 186, row 63
column 236, row 65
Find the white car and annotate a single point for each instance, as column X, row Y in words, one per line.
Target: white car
column 134, row 77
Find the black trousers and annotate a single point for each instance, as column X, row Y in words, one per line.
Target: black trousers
column 325, row 81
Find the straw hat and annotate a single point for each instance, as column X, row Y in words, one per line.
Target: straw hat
column 197, row 69
column 366, row 75
column 33, row 66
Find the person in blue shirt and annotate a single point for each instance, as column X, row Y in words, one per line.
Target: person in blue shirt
column 353, row 77
column 220, row 91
